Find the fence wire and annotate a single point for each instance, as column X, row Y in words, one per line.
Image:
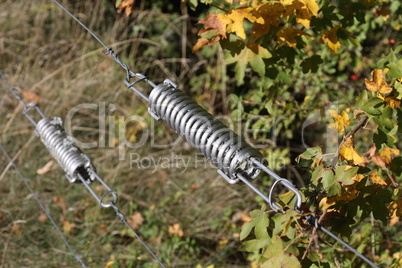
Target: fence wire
column 245, row 178
column 75, row 163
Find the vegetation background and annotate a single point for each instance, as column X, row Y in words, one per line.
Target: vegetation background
column 194, row 218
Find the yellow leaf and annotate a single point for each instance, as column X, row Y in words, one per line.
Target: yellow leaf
column 374, row 178
column 312, row 6
column 303, row 9
column 329, row 37
column 67, row 227
column 392, row 102
column 341, row 121
column 238, row 15
column 288, row 35
column 348, row 152
column 358, row 177
column 378, row 84
column 387, row 153
column 395, row 211
column 109, row 264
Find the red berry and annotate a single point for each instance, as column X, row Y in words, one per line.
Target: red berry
column 354, row 77
column 392, row 41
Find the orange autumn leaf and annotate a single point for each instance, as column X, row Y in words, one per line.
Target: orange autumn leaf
column 341, row 121
column 378, row 84
column 348, row 152
column 215, row 30
column 374, row 178
column 127, row 6
column 175, row 229
column 30, row 96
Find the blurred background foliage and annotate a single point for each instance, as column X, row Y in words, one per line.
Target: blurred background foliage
column 188, row 216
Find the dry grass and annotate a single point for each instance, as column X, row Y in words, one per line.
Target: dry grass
column 44, row 51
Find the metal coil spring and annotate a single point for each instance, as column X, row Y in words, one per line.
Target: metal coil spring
column 219, row 144
column 63, row 149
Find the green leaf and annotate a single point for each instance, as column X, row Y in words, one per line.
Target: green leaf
column 373, row 106
column 345, row 176
column 252, row 54
column 316, row 175
column 118, row 2
column 274, row 248
column 282, row 260
column 285, row 77
column 261, row 224
column 311, row 64
column 246, row 229
column 328, row 179
column 382, row 137
column 254, row 244
column 395, row 69
column 193, row 4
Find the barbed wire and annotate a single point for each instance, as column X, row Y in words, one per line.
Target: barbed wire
column 77, row 166
column 235, row 159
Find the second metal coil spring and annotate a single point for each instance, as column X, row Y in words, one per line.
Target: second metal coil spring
column 63, row 149
column 219, row 144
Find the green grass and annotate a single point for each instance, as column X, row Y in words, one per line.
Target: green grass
column 44, row 51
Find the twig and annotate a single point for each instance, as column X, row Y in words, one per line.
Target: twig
column 352, row 132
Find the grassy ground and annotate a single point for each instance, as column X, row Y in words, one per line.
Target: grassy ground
column 43, row 51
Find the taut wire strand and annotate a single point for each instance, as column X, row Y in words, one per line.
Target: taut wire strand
column 189, row 123
column 42, row 206
column 77, row 166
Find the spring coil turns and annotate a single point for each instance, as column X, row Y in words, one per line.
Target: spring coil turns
column 63, row 149
column 219, row 144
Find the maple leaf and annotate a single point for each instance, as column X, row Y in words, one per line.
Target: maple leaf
column 330, row 38
column 341, row 121
column 303, row 9
column 252, row 53
column 215, row 30
column 348, row 152
column 378, row 84
column 374, row 178
column 238, row 15
column 288, row 35
column 271, row 14
column 387, row 153
column 127, row 6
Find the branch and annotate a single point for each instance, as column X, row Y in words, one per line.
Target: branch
column 352, row 132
